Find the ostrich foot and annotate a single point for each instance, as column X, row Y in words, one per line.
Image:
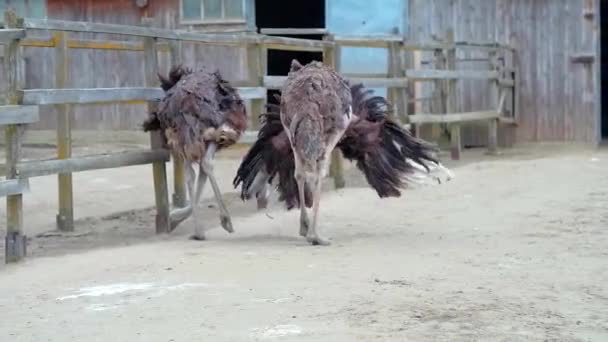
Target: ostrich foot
column 227, row 224
column 316, row 240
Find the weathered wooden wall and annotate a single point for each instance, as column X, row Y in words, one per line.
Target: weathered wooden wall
column 124, row 68
column 558, row 97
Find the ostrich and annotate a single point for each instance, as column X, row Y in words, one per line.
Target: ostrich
column 320, row 111
column 199, row 115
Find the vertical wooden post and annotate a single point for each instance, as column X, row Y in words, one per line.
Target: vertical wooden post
column 15, row 241
column 65, row 217
column 397, row 96
column 439, row 100
column 455, row 138
column 331, row 57
column 161, row 192
column 179, row 198
column 257, row 66
column 494, row 89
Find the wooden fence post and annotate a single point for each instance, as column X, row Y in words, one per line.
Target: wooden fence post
column 257, row 66
column 65, row 217
column 439, row 95
column 455, row 140
column 161, row 192
column 15, row 241
column 494, row 89
column 179, row 198
column 331, row 57
column 397, row 96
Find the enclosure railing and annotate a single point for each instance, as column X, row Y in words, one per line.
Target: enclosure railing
column 22, row 104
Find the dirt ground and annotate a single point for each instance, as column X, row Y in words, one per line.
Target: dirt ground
column 515, row 248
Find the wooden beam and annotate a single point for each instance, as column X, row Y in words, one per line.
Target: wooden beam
column 16, row 114
column 14, row 187
column 294, row 31
column 276, row 82
column 140, row 31
column 65, row 216
column 451, row 100
column 331, row 57
column 252, row 93
column 89, row 95
column 179, row 197
column 92, row 162
column 433, row 74
column 428, row 46
column 6, row 35
column 367, row 40
column 99, row 95
column 159, row 171
column 294, row 44
column 453, row 117
column 15, row 242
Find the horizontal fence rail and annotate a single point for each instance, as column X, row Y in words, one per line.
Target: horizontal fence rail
column 17, row 114
column 104, row 95
column 91, row 162
column 14, row 187
column 11, row 34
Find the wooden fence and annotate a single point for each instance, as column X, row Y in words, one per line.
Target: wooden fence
column 22, row 104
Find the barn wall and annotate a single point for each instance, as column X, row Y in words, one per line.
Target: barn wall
column 557, row 96
column 106, row 68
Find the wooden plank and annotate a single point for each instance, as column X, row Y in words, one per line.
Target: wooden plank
column 255, row 76
column 7, row 35
column 494, row 97
column 294, row 44
column 336, row 166
column 65, row 216
column 14, row 187
column 433, row 74
column 276, row 82
column 251, row 93
column 16, row 114
column 398, row 95
column 367, row 40
column 451, row 100
column 179, row 197
column 89, row 95
column 454, row 117
column 100, row 95
column 140, row 31
column 95, row 44
column 92, row 162
column 15, row 240
column 159, row 171
column 294, row 31
column 429, row 46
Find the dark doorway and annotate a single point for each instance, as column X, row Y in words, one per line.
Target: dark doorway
column 289, row 14
column 604, row 66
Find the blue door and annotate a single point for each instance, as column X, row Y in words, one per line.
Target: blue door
column 365, row 17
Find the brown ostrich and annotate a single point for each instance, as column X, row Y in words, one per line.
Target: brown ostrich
column 199, row 115
column 320, row 111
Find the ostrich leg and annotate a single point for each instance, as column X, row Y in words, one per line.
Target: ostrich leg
column 312, row 235
column 199, row 231
column 207, row 168
column 177, row 216
column 301, row 180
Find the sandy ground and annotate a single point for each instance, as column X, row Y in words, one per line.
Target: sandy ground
column 514, row 249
